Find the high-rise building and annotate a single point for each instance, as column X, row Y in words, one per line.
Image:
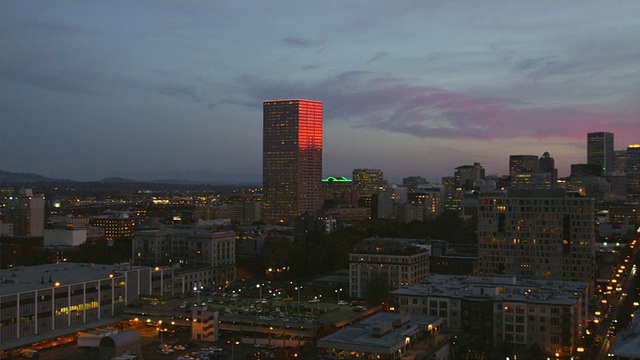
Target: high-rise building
column 292, row 158
column 367, row 181
column 467, row 176
column 26, row 213
column 620, row 161
column 600, row 150
column 537, row 234
column 633, row 171
column 519, row 164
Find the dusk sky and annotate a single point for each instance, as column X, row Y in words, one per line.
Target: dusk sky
column 174, row 89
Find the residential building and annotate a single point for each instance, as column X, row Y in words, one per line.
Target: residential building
column 492, row 310
column 537, row 234
column 386, row 263
column 292, row 158
column 600, row 150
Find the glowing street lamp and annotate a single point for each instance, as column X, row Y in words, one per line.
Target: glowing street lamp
column 338, row 292
column 298, row 288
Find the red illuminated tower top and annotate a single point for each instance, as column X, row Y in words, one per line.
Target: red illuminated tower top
column 292, row 158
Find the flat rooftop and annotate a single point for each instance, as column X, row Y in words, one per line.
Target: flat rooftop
column 361, row 333
column 29, row 278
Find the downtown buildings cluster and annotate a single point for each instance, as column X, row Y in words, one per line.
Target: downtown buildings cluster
column 531, row 280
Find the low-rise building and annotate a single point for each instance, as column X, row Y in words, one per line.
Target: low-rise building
column 42, row 299
column 386, row 336
column 503, row 309
column 386, row 262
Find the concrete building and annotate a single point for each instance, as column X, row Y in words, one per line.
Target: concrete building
column 386, row 201
column 537, row 234
column 387, row 263
column 292, row 158
column 191, row 250
column 204, row 325
column 116, row 226
column 65, row 236
column 42, row 299
column 493, row 310
column 26, row 213
column 387, row 336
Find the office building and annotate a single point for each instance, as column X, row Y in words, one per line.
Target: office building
column 214, row 252
column 537, row 234
column 378, row 265
column 519, row 164
column 547, row 165
column 386, row 201
column 467, row 176
column 489, row 311
column 292, row 158
column 600, row 150
column 117, row 225
column 337, row 190
column 26, row 213
column 367, row 181
column 633, row 172
column 67, row 297
column 620, row 161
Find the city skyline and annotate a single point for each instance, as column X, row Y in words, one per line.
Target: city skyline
column 150, row 90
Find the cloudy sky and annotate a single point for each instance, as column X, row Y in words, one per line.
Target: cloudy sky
column 174, row 89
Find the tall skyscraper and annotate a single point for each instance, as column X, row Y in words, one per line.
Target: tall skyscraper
column 633, row 171
column 600, row 150
column 292, row 158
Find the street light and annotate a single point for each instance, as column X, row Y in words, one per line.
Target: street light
column 298, row 288
column 233, row 343
column 197, row 287
column 260, row 288
column 338, row 292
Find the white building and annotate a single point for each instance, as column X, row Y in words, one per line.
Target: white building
column 65, row 237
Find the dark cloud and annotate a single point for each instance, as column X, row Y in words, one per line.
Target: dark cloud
column 377, row 57
column 301, row 42
column 396, row 105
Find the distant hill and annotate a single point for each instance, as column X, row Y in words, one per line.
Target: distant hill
column 7, row 177
column 11, row 178
column 116, row 180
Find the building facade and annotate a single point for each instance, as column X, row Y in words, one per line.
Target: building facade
column 519, row 164
column 39, row 299
column 26, row 213
column 537, row 234
column 386, row 263
column 600, row 150
column 493, row 310
column 190, row 250
column 292, row 158
column 633, row 172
